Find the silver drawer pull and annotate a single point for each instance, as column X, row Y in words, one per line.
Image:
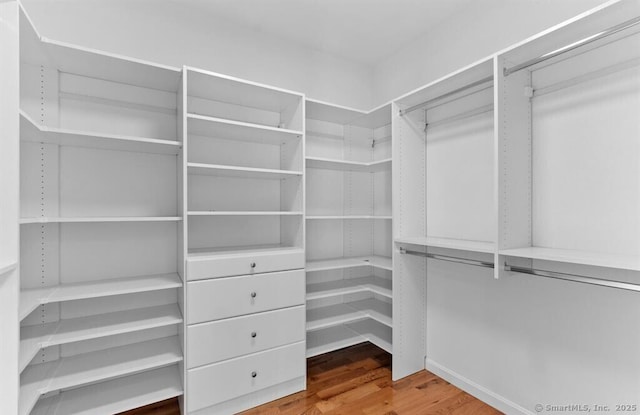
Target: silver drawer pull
column 254, row 334
column 254, row 374
column 252, row 265
column 254, row 294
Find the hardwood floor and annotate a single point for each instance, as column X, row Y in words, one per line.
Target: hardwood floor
column 357, row 381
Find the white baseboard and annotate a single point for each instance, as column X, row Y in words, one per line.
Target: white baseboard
column 497, row 401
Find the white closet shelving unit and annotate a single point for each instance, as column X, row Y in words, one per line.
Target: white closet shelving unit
column 348, row 207
column 99, row 229
column 244, row 187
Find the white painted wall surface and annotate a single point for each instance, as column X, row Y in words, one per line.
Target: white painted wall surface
column 481, row 30
column 167, row 32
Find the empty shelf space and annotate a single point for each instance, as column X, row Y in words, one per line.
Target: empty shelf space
column 460, row 244
column 6, row 268
column 34, row 338
column 330, row 339
column 333, row 315
column 349, row 262
column 236, row 130
column 30, row 299
column 115, row 396
column 372, row 284
column 571, row 256
column 26, row 221
column 243, row 213
column 345, row 165
column 84, row 369
column 31, row 132
column 373, row 331
column 201, row 253
column 346, row 217
column 240, row 172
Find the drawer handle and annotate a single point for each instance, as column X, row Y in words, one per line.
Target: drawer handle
column 254, row 334
column 254, row 294
column 254, row 374
column 252, row 265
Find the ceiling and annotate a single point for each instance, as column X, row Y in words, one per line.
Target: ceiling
column 360, row 30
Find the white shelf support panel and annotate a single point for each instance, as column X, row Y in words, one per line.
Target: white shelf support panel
column 116, row 395
column 30, row 299
column 35, row 338
column 88, row 368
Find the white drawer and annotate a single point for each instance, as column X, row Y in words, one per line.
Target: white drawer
column 239, row 336
column 244, row 262
column 235, row 296
column 213, row 384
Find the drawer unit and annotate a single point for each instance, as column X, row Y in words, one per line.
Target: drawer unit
column 219, row 382
column 235, row 296
column 242, row 263
column 224, row 339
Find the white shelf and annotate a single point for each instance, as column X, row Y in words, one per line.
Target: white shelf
column 115, row 396
column 6, row 268
column 324, row 111
column 349, row 262
column 372, row 284
column 236, row 130
column 347, row 217
column 242, row 213
column 376, row 333
column 330, row 339
column 31, row 132
column 240, row 172
column 333, row 315
column 34, row 338
column 344, row 165
column 231, row 251
column 459, row 244
column 30, row 299
column 25, row 221
column 597, row 259
column 88, row 368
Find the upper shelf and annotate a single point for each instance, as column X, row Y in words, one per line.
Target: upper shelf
column 459, row 244
column 347, row 217
column 31, row 132
column 355, row 166
column 237, row 130
column 77, row 219
column 571, row 256
column 349, row 262
column 78, row 60
column 337, row 114
column 240, row 172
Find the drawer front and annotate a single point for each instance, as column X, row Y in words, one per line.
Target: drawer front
column 224, row 339
column 213, row 384
column 243, row 264
column 235, row 296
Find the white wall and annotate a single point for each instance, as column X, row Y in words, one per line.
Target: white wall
column 481, row 30
column 155, row 31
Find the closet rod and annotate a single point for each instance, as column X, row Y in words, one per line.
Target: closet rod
column 605, row 33
column 445, row 95
column 448, row 258
column 575, row 278
column 468, row 114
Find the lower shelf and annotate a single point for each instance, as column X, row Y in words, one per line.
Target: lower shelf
column 337, row 337
column 116, row 395
column 84, row 369
column 328, row 289
column 333, row 315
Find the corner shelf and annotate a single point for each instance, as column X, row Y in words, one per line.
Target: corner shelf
column 115, row 396
column 331, row 338
column 31, row 132
column 571, row 256
column 347, row 217
column 327, row 316
column 345, row 165
column 449, row 243
column 34, row 338
column 329, row 289
column 30, row 299
column 349, row 262
column 242, row 213
column 88, row 368
column 26, row 221
column 206, row 126
column 203, row 169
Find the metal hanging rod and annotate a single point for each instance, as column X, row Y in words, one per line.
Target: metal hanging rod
column 575, row 278
column 448, row 258
column 605, row 33
column 446, row 95
column 467, row 114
